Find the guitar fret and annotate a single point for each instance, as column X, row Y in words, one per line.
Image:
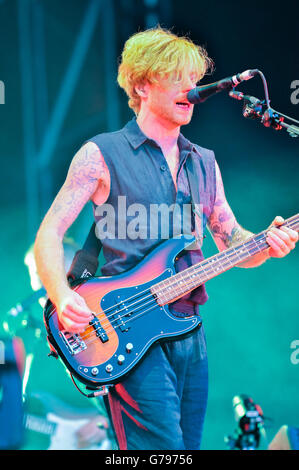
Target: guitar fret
column 167, row 284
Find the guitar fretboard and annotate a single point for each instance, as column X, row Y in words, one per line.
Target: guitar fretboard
column 185, row 281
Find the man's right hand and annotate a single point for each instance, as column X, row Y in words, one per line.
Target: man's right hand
column 73, row 313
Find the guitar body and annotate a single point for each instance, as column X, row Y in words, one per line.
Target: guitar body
column 128, row 319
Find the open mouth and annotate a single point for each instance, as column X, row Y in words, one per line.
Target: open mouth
column 183, row 105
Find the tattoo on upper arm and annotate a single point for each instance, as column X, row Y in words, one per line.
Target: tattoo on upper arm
column 85, row 172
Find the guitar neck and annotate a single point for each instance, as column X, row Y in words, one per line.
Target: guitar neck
column 185, row 281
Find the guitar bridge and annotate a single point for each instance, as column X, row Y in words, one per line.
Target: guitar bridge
column 73, row 342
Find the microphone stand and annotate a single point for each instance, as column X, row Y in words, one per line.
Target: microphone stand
column 275, row 119
column 255, row 108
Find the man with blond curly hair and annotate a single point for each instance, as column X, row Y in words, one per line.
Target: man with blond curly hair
column 161, row 403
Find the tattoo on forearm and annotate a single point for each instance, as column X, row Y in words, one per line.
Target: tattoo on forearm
column 239, row 235
column 222, row 222
column 229, row 236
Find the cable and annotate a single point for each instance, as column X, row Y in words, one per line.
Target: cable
column 267, row 99
column 96, row 393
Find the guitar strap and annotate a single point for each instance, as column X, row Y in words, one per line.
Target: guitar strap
column 194, row 184
column 92, row 243
column 86, row 261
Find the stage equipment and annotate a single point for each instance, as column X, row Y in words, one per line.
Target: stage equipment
column 250, row 424
column 254, row 108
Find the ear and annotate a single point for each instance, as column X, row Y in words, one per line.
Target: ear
column 142, row 89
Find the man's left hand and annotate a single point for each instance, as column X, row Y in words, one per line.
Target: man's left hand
column 281, row 240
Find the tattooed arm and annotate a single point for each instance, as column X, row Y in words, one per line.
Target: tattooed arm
column 227, row 232
column 225, row 229
column 87, row 178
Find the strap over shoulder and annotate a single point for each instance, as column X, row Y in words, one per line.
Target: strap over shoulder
column 85, row 262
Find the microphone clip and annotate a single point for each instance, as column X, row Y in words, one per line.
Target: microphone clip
column 252, row 111
column 272, row 119
column 254, row 108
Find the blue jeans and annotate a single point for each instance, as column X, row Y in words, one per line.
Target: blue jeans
column 161, row 404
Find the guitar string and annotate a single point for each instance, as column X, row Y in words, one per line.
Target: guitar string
column 118, row 326
column 94, row 331
column 188, row 284
column 127, row 321
column 203, row 266
column 152, row 301
column 203, row 263
column 93, row 338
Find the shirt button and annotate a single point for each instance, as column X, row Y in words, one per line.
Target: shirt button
column 163, row 168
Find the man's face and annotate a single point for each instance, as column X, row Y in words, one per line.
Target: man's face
column 167, row 100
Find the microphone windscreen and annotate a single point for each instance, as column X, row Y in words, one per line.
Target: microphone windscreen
column 193, row 96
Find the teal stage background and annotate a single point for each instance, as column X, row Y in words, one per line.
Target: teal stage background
column 252, row 315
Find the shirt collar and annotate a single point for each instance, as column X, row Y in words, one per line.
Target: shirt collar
column 136, row 137
column 134, row 134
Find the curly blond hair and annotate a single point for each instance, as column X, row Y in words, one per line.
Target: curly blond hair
column 158, row 53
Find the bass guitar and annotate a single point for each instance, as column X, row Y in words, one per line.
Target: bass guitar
column 130, row 310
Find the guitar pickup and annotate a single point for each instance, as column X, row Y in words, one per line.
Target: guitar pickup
column 120, row 322
column 100, row 332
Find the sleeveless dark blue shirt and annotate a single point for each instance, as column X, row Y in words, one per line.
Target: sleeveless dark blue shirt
column 130, row 223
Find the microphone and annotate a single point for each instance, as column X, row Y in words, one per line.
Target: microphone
column 201, row 93
column 238, row 95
